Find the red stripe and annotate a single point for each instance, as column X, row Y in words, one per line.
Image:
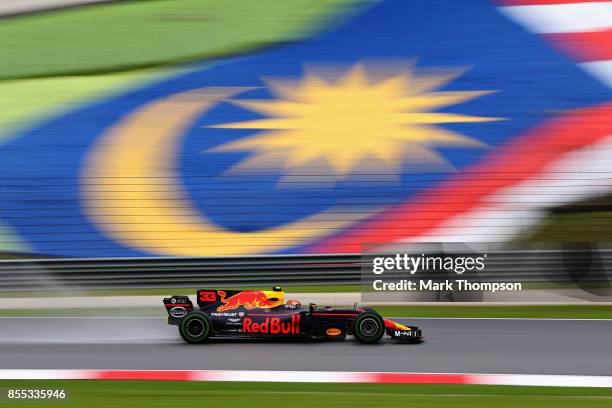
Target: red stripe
column 145, row 375
column 407, row 378
column 544, row 2
column 313, row 376
column 517, row 161
column 334, row 314
column 585, row 46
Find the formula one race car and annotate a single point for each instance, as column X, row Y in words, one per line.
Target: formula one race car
column 257, row 314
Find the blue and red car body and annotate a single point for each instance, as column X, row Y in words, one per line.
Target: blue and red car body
column 265, row 314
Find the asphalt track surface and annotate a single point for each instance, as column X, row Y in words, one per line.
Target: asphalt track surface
column 452, row 345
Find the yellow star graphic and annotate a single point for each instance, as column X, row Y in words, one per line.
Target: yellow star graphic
column 346, row 122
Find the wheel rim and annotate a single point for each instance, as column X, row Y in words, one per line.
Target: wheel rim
column 368, row 327
column 195, row 327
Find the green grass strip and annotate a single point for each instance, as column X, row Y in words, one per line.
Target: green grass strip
column 152, row 394
column 146, row 33
column 191, row 291
column 451, row 311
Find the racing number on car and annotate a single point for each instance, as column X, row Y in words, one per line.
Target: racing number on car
column 208, row 296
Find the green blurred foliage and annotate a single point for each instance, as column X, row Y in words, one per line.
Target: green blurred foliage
column 144, row 33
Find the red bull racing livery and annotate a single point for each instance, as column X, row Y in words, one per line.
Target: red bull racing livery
column 265, row 314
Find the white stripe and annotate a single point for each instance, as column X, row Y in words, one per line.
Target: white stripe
column 279, row 376
column 328, row 377
column 601, row 70
column 542, row 380
column 47, row 374
column 562, row 18
column 579, row 174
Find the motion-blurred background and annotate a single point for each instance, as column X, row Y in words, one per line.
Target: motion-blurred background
column 154, row 147
column 222, row 128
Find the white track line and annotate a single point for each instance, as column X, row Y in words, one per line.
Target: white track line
column 315, row 377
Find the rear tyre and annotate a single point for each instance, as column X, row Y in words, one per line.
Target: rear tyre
column 368, row 328
column 196, row 327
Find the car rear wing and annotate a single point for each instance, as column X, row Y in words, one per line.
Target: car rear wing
column 178, row 305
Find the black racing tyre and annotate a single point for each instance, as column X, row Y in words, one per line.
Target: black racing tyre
column 196, row 327
column 368, row 328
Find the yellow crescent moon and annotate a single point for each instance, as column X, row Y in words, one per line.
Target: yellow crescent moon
column 133, row 193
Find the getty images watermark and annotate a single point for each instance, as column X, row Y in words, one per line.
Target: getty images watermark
column 486, row 272
column 403, row 263
column 433, row 272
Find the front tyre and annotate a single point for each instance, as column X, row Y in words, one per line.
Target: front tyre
column 368, row 328
column 196, row 327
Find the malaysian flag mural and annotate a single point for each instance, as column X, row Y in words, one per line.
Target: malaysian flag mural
column 421, row 120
